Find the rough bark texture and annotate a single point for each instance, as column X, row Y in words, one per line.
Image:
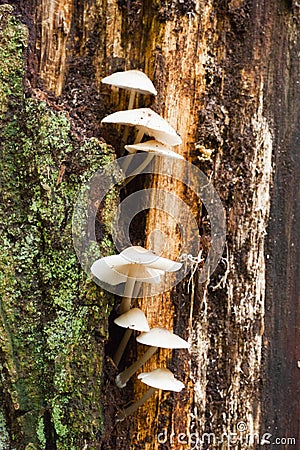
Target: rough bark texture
column 227, row 76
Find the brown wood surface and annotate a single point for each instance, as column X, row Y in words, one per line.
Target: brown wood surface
column 227, row 76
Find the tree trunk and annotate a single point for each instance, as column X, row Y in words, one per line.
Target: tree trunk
column 227, row 76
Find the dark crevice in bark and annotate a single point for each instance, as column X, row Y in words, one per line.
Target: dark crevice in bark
column 49, row 430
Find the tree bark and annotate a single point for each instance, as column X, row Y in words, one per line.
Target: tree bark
column 227, row 76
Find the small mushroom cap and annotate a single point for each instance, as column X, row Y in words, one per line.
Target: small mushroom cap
column 160, row 337
column 140, row 255
column 161, row 379
column 115, row 269
column 153, row 147
column 148, row 121
column 134, row 319
column 131, row 79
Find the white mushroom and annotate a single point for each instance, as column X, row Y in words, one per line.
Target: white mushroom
column 135, row 81
column 153, row 147
column 143, row 260
column 140, row 255
column 157, row 379
column 134, row 319
column 116, row 269
column 147, row 122
column 161, row 378
column 133, row 263
column 155, row 338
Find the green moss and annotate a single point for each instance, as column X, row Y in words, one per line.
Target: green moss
column 41, row 433
column 51, row 314
column 13, row 39
column 4, row 436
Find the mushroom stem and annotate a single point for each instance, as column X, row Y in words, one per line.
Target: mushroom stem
column 126, row 301
column 130, row 106
column 120, row 350
column 139, row 136
column 135, row 406
column 123, row 377
column 131, row 99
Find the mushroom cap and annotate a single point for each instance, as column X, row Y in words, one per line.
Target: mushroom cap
column 131, row 79
column 153, row 147
column 134, row 319
column 114, row 270
column 160, row 337
column 140, row 255
column 161, row 379
column 135, row 262
column 147, row 120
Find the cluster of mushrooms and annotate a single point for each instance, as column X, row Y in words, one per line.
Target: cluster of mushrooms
column 135, row 264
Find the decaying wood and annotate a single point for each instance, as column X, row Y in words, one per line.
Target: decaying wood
column 218, row 70
column 55, row 22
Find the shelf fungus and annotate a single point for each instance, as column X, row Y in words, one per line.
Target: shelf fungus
column 133, row 264
column 134, row 319
column 161, row 378
column 155, row 338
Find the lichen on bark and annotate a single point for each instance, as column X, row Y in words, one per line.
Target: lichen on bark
column 53, row 318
